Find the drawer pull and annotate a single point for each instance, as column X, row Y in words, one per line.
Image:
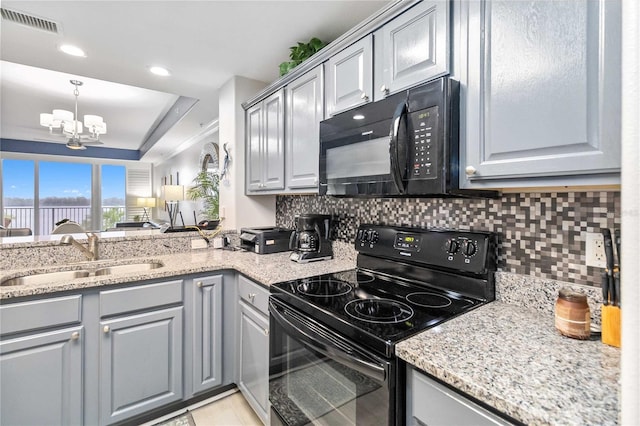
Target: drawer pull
column 199, row 284
column 266, row 331
column 384, row 89
column 106, row 329
column 364, row 97
column 252, row 296
column 75, row 335
column 470, row 170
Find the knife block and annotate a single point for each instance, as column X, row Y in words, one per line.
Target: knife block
column 611, row 325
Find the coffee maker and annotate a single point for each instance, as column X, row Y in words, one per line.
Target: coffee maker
column 310, row 241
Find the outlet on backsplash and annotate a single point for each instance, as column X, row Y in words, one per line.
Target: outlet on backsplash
column 595, row 255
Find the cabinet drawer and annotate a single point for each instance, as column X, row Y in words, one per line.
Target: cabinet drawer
column 253, row 294
column 139, row 298
column 48, row 313
column 433, row 403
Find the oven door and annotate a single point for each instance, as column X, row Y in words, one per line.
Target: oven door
column 317, row 377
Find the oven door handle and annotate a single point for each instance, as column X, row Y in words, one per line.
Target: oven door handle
column 349, row 356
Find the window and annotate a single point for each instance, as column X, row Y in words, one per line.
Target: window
column 18, row 193
column 113, row 195
column 64, row 192
column 95, row 194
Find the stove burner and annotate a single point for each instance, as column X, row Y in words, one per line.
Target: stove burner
column 362, row 278
column 379, row 310
column 429, row 300
column 319, row 287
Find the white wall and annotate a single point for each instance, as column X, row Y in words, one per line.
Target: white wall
column 186, row 165
column 630, row 269
column 238, row 209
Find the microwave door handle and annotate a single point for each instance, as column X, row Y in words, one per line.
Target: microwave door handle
column 394, row 148
column 346, row 356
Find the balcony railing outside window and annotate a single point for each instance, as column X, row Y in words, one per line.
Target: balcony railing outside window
column 23, row 217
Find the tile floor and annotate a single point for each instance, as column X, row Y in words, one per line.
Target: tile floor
column 232, row 410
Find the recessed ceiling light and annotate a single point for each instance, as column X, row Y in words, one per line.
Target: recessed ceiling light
column 72, row 50
column 160, row 71
column 358, row 117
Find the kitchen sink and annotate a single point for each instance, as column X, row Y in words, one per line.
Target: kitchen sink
column 45, row 278
column 61, row 276
column 128, row 269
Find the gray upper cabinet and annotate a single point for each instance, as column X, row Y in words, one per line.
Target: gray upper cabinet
column 207, row 333
column 41, row 378
column 304, row 111
column 540, row 92
column 265, row 144
column 412, row 48
column 349, row 77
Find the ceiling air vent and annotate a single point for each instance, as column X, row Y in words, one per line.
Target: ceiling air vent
column 29, row 20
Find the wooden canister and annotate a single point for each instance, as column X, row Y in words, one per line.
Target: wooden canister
column 573, row 318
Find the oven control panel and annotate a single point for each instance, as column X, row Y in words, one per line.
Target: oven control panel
column 459, row 250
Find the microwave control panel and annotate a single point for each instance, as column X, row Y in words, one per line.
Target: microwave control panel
column 423, row 156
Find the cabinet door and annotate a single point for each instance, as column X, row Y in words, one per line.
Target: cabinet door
column 542, row 91
column 304, row 112
column 41, row 379
column 140, row 363
column 255, row 175
column 207, row 333
column 254, row 360
column 412, row 48
column 273, row 141
column 349, row 77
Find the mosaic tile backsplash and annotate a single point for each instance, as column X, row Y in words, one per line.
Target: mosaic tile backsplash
column 540, row 234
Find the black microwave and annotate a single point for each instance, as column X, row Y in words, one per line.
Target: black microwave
column 404, row 145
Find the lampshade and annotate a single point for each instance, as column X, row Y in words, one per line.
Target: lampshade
column 146, row 202
column 173, row 192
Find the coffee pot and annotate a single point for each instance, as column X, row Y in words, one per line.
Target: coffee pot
column 311, row 239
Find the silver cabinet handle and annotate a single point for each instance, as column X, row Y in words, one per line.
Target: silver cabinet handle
column 364, row 97
column 470, row 171
column 106, row 329
column 266, row 331
column 75, row 335
column 252, row 296
column 384, row 89
column 199, row 284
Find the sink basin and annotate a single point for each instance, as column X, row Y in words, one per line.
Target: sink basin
column 45, row 278
column 129, row 269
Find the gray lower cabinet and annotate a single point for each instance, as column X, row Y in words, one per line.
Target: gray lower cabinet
column 207, row 333
column 304, row 111
column 412, row 48
column 540, row 98
column 349, row 77
column 141, row 364
column 42, row 345
column 253, row 346
column 41, row 378
column 431, row 403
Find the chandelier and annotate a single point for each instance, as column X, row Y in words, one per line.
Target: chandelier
column 64, row 123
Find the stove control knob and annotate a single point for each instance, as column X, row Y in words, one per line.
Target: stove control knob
column 452, row 246
column 374, row 236
column 469, row 248
column 360, row 234
column 365, row 236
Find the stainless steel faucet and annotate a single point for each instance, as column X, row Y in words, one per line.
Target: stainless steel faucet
column 91, row 253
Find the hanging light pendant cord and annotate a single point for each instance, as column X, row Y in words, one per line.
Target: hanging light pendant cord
column 76, row 93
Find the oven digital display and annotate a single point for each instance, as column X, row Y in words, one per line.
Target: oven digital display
column 409, row 242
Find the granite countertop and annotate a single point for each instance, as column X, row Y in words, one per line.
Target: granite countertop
column 265, row 269
column 513, row 359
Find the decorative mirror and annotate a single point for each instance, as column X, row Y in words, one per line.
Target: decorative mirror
column 209, row 158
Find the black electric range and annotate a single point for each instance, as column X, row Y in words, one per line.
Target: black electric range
column 407, row 280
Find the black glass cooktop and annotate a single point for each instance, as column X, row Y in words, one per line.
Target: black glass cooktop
column 373, row 310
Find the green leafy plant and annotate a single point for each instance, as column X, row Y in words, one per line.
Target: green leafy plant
column 205, row 188
column 112, row 216
column 300, row 53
